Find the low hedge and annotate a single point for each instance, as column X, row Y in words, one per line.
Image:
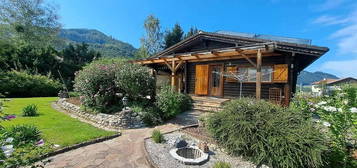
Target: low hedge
column 22, row 84
column 172, row 103
column 267, row 134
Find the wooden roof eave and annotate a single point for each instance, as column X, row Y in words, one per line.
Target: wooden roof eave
column 216, row 54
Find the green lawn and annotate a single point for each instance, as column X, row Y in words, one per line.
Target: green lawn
column 56, row 127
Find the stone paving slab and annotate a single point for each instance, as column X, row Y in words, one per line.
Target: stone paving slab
column 125, row 151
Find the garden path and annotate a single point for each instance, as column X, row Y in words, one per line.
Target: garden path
column 126, row 151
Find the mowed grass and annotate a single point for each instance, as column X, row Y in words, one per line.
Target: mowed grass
column 56, row 127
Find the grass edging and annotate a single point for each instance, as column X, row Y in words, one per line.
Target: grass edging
column 148, row 159
column 79, row 145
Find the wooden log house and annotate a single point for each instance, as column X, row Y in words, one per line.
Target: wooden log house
column 198, row 64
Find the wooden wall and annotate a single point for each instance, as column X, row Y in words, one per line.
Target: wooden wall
column 231, row 89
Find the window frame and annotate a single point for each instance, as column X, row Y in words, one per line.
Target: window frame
column 254, row 81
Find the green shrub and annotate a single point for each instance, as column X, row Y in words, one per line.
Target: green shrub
column 23, row 134
column 221, row 164
column 267, row 134
column 172, row 103
column 73, row 94
column 151, row 116
column 26, row 155
column 148, row 112
column 29, row 110
column 157, row 136
column 21, row 84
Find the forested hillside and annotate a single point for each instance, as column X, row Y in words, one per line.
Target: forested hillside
column 106, row 45
column 306, row 78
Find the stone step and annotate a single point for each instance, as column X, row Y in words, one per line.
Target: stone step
column 208, row 104
column 207, row 109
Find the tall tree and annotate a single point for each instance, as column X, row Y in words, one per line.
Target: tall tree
column 153, row 39
column 141, row 53
column 173, row 36
column 191, row 32
column 29, row 21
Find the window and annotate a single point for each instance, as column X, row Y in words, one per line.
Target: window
column 249, row 73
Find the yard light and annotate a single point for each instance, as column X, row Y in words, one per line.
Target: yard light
column 125, row 101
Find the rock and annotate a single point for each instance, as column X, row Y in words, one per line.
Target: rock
column 123, row 119
column 203, row 147
column 180, row 143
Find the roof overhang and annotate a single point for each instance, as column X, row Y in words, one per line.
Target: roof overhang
column 246, row 51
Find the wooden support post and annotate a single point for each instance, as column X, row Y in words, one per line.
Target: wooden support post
column 288, row 87
column 186, row 78
column 259, row 76
column 173, row 75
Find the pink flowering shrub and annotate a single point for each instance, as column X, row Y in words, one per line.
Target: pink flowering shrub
column 100, row 83
column 136, row 81
column 96, row 85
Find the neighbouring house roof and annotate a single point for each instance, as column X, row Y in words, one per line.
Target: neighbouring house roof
column 324, row 81
column 342, row 81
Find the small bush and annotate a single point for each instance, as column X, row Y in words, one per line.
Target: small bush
column 221, row 164
column 23, row 134
column 172, row 103
column 150, row 114
column 157, row 136
column 73, row 94
column 29, row 110
column 21, row 84
column 267, row 134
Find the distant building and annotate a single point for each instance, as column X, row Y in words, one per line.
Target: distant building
column 343, row 81
column 327, row 85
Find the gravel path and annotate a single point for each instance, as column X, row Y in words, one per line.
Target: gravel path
column 159, row 153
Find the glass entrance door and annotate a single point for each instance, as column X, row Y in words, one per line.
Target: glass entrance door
column 216, row 80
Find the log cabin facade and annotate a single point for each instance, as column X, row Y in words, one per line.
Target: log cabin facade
column 229, row 66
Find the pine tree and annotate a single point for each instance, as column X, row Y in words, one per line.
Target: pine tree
column 191, row 32
column 174, row 36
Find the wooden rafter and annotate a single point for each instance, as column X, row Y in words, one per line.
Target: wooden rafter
column 168, row 65
column 178, row 65
column 249, row 60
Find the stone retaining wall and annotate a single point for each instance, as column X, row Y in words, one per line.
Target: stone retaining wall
column 120, row 120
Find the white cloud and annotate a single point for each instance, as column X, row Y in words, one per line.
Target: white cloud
column 347, row 39
column 330, row 20
column 346, row 36
column 346, row 68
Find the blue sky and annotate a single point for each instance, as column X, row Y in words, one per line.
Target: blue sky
column 329, row 23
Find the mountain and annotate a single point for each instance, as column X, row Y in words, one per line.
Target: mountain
column 306, row 78
column 106, row 45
